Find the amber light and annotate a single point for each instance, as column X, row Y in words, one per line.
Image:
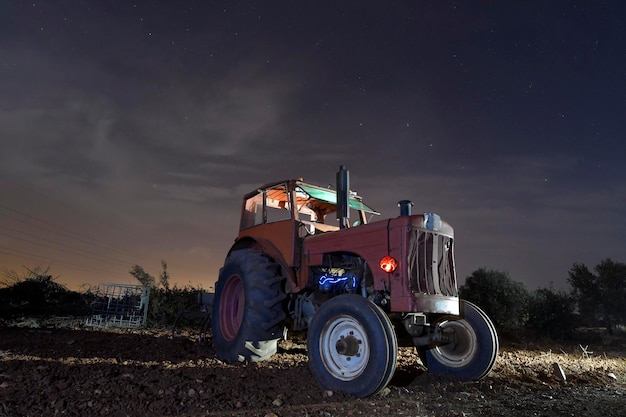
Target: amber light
column 388, row 264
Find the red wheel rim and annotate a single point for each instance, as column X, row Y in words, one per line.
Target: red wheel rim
column 232, row 307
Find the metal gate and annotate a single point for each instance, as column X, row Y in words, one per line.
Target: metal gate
column 119, row 305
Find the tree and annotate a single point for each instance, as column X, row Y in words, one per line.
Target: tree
column 164, row 278
column 550, row 312
column 142, row 276
column 600, row 296
column 585, row 291
column 503, row 299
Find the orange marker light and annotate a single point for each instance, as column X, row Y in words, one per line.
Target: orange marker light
column 388, row 264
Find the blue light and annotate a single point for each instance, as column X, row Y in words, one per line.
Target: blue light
column 327, row 282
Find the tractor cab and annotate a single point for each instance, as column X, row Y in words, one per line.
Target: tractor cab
column 301, row 202
column 278, row 214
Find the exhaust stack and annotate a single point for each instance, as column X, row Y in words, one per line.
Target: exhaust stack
column 343, row 194
column 405, row 207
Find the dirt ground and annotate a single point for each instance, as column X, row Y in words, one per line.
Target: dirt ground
column 75, row 371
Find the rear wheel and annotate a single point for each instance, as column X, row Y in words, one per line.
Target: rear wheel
column 248, row 308
column 352, row 346
column 474, row 349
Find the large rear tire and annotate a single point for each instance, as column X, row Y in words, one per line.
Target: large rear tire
column 248, row 311
column 352, row 346
column 473, row 353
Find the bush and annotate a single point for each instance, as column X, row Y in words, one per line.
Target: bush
column 40, row 296
column 166, row 303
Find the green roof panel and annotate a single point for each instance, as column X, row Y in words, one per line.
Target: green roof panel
column 330, row 196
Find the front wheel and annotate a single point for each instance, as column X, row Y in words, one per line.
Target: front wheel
column 474, row 349
column 352, row 346
column 248, row 310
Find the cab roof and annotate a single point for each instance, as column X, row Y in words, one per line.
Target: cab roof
column 306, row 191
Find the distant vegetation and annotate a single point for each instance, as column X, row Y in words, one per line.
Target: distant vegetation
column 600, row 296
column 504, row 300
column 596, row 298
column 37, row 294
column 166, row 301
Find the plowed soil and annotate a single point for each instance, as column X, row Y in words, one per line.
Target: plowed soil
column 97, row 372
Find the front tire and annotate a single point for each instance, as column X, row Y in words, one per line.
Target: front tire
column 472, row 354
column 352, row 346
column 248, row 310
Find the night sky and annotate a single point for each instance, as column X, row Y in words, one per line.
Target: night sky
column 129, row 131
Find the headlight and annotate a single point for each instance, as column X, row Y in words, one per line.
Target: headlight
column 432, row 222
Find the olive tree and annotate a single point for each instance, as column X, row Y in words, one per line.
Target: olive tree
column 600, row 296
column 503, row 299
column 551, row 312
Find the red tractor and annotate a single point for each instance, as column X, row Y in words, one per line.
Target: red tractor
column 298, row 263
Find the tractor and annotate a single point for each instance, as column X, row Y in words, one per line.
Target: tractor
column 357, row 287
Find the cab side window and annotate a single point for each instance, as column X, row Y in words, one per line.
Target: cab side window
column 253, row 212
column 268, row 206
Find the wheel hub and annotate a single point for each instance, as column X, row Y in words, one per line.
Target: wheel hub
column 344, row 347
column 348, row 345
column 462, row 345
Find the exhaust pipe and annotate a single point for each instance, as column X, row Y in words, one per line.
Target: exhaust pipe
column 405, row 207
column 343, row 195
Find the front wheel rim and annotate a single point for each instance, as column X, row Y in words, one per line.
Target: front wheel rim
column 462, row 350
column 344, row 348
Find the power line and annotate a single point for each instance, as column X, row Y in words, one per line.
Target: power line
column 59, row 244
column 50, row 199
column 29, row 256
column 69, row 234
column 62, row 231
column 51, row 235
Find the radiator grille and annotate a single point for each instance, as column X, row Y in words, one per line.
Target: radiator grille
column 430, row 263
